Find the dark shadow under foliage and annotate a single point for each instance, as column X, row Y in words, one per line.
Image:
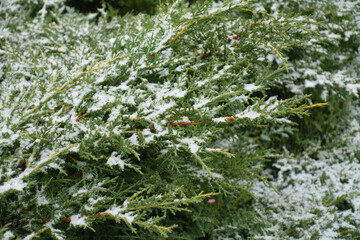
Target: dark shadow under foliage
column 120, row 7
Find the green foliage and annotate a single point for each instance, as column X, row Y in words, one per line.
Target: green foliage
column 164, row 126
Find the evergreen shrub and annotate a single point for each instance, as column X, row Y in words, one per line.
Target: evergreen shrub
column 319, row 195
column 168, row 125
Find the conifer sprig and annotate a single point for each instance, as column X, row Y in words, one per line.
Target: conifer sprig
column 122, row 120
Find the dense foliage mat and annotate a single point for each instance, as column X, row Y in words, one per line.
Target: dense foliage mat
column 190, row 123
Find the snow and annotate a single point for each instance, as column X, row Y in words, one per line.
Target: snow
column 102, row 98
column 41, row 200
column 75, row 149
column 194, row 148
column 91, row 202
column 117, row 211
column 115, row 159
column 77, row 192
column 78, row 220
column 303, row 191
column 220, row 119
column 251, row 87
column 56, row 232
column 133, row 139
column 8, row 235
column 202, row 175
column 13, row 184
column 201, row 102
column 30, row 236
column 164, row 151
column 248, row 114
column 310, row 72
column 353, row 88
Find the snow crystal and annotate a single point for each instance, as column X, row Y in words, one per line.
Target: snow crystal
column 191, row 144
column 283, row 120
column 148, row 135
column 45, row 155
column 14, row 184
column 310, row 84
column 5, row 113
column 166, row 90
column 329, row 234
column 221, row 72
column 159, row 108
column 115, row 160
column 112, row 40
column 78, row 192
column 220, row 119
column 180, row 68
column 201, row 174
column 217, row 175
column 248, row 114
column 56, row 232
column 81, row 163
column 133, row 139
column 201, row 102
column 116, row 211
column 93, row 201
column 167, row 53
column 213, row 149
column 164, row 151
column 128, row 217
column 75, row 149
column 62, row 49
column 353, row 88
column 310, row 72
column 251, row 87
column 241, row 98
column 78, row 220
column 89, row 176
column 101, row 99
column 201, row 83
column 88, row 207
column 91, row 16
column 163, row 73
column 176, row 93
column 30, row 236
column 41, row 200
column 8, row 235
column 330, row 35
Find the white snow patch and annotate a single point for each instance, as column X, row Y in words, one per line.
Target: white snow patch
column 115, row 159
column 41, row 200
column 116, row 211
column 310, row 84
column 75, row 149
column 14, row 184
column 8, row 235
column 248, row 114
column 133, row 139
column 194, row 148
column 251, row 87
column 78, row 220
column 164, row 151
column 30, row 236
column 201, row 102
